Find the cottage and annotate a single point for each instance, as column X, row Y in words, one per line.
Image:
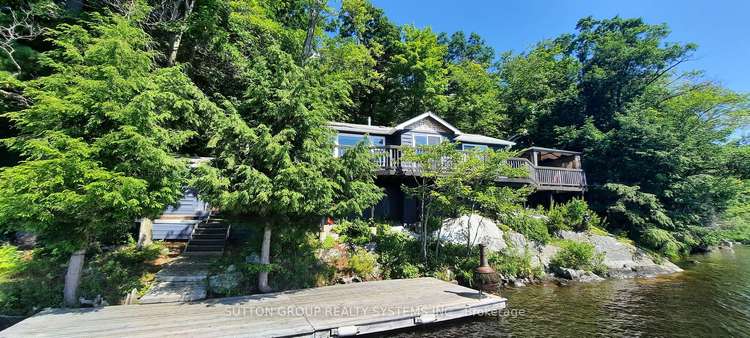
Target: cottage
column 551, row 171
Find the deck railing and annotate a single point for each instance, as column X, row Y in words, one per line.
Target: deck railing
column 388, row 158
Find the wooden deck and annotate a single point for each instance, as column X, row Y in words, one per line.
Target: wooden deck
column 389, row 162
column 320, row 312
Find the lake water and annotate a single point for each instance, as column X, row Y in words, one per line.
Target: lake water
column 710, row 299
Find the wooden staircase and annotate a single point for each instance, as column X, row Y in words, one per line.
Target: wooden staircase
column 208, row 238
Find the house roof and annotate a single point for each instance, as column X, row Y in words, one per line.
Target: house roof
column 381, row 130
column 476, row 138
column 361, row 128
column 424, row 116
column 551, row 151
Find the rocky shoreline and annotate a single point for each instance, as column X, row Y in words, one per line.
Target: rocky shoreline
column 622, row 259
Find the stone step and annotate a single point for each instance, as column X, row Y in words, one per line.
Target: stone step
column 207, row 241
column 170, row 292
column 200, row 247
column 203, row 253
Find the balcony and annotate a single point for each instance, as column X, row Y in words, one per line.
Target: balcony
column 388, row 160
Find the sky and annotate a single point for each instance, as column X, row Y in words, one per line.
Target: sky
column 720, row 27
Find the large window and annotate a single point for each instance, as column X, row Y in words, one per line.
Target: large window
column 427, row 140
column 469, row 146
column 346, row 141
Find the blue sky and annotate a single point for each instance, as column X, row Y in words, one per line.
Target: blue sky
column 720, row 28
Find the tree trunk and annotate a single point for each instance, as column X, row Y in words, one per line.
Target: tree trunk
column 176, row 40
column 174, row 46
column 312, row 24
column 265, row 259
column 145, row 233
column 73, row 277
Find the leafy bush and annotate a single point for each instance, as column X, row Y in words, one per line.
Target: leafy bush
column 10, row 261
column 578, row 256
column 514, row 264
column 363, row 263
column 36, row 283
column 574, row 215
column 355, row 232
column 397, row 252
column 409, row 270
column 663, row 242
column 329, row 242
column 532, row 228
column 114, row 274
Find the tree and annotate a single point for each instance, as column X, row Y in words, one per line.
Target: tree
column 453, row 183
column 474, row 101
column 461, row 49
column 274, row 155
column 98, row 140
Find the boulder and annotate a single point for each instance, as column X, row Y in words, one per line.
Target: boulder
column 623, row 260
column 225, row 282
column 482, row 230
column 578, row 275
column 726, row 244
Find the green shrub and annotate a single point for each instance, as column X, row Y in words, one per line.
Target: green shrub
column 36, row 283
column 514, row 264
column 114, row 274
column 363, row 263
column 532, row 228
column 10, row 261
column 355, row 232
column 329, row 242
column 739, row 232
column 574, row 215
column 578, row 256
column 663, row 242
column 397, row 252
column 409, row 270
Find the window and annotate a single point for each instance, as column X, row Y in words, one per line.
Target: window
column 427, row 140
column 469, row 146
column 346, row 141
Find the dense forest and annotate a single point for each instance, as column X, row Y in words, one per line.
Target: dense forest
column 99, row 96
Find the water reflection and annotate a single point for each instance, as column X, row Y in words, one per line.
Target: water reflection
column 710, row 299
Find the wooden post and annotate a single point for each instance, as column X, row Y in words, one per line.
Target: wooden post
column 577, row 163
column 551, row 199
column 535, row 156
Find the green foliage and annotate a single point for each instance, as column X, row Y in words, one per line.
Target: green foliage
column 10, row 261
column 573, row 215
column 329, row 242
column 579, row 256
column 37, row 283
column 98, row 136
column 532, row 227
column 114, row 274
column 363, row 263
column 356, row 232
column 514, row 264
column 397, row 252
column 663, row 242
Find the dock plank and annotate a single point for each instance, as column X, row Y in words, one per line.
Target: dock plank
column 371, row 307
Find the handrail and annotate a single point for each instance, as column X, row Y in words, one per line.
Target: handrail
column 389, row 158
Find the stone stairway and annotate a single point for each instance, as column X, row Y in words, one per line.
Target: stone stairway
column 186, row 278
column 208, row 238
column 183, row 280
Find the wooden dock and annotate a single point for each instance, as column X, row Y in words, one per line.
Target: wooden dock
column 340, row 310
